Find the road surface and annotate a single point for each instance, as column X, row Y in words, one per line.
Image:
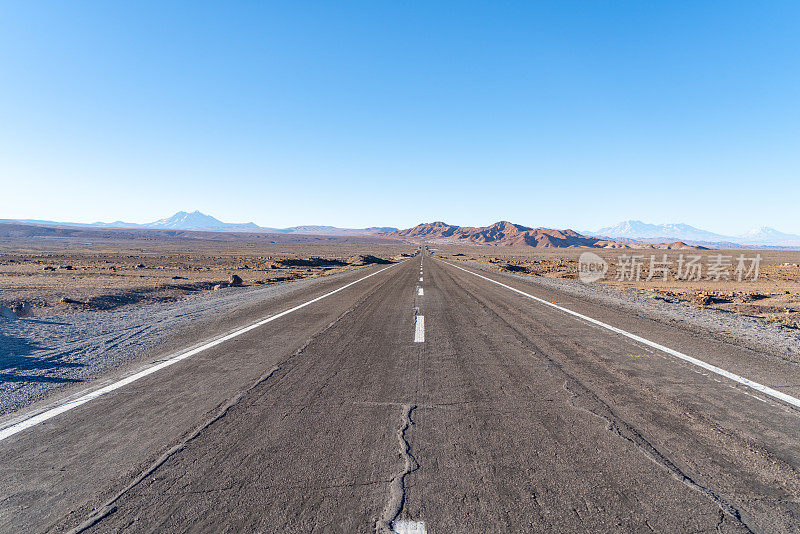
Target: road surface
column 422, row 398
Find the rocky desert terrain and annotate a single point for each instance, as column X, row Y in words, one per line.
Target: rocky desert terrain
column 55, row 271
column 774, row 296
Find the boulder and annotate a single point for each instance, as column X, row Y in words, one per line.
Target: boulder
column 22, row 309
column 6, row 313
column 235, row 280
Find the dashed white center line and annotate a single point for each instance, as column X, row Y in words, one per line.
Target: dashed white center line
column 420, row 279
column 403, row 526
column 419, row 329
column 420, row 292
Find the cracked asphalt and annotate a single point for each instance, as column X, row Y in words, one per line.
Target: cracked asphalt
column 511, row 416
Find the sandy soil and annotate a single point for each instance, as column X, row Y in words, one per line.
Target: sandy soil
column 56, row 276
column 774, row 296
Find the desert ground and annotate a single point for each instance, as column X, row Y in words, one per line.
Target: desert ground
column 41, row 276
column 774, row 296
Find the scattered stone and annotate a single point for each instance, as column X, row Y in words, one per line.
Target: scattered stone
column 749, row 297
column 235, row 280
column 220, row 286
column 319, row 262
column 139, row 266
column 66, row 267
column 516, row 268
column 49, row 268
column 67, row 300
column 179, row 278
column 22, row 309
column 370, row 259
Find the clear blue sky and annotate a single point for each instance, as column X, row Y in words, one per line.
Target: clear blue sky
column 559, row 114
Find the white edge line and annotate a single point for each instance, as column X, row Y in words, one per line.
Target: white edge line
column 58, row 410
column 713, row 368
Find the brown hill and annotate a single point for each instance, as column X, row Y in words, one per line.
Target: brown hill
column 506, row 234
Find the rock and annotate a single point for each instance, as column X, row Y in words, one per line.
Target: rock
column 66, row 267
column 235, row 280
column 49, row 268
column 22, row 309
column 66, row 300
column 139, row 266
column 220, row 286
column 6, row 313
column 179, row 278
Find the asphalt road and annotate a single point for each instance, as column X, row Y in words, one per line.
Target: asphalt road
column 494, row 413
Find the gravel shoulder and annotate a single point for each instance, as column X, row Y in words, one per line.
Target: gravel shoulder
column 41, row 355
column 751, row 332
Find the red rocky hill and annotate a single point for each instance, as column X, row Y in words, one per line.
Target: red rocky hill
column 508, row 234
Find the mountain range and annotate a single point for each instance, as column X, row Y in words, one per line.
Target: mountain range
column 627, row 234
column 196, row 220
column 508, row 234
column 638, row 230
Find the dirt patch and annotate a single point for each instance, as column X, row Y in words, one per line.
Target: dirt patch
column 774, row 296
column 55, row 275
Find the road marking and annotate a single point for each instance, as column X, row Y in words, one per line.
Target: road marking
column 420, row 292
column 419, row 329
column 67, row 406
column 403, row 526
column 420, row 279
column 700, row 363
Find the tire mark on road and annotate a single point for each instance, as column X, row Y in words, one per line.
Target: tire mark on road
column 619, row 427
column 649, row 449
column 110, row 507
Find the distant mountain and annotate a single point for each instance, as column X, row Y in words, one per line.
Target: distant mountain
column 332, row 230
column 506, row 234
column 200, row 221
column 769, row 235
column 639, row 230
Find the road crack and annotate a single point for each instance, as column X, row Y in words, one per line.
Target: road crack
column 397, row 490
column 110, row 506
column 620, row 428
